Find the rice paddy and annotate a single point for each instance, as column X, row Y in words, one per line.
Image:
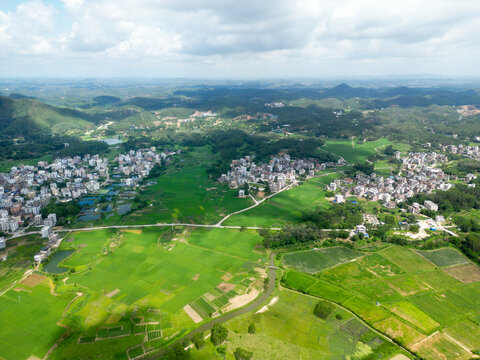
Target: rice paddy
column 415, row 301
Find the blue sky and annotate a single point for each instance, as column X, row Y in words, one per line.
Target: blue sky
column 238, row 39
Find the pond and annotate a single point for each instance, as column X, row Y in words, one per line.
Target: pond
column 52, row 266
column 89, row 217
column 112, row 141
column 123, row 209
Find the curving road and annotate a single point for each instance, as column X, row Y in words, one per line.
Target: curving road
column 224, row 318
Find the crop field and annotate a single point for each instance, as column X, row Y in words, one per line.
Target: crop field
column 185, row 194
column 444, row 257
column 405, row 296
column 290, row 330
column 155, row 271
column 286, row 206
column 88, row 244
column 313, row 261
column 357, row 153
column 37, row 312
column 232, row 242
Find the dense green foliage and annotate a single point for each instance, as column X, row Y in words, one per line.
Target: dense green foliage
column 242, row 354
column 323, row 309
column 234, row 144
column 219, row 334
column 62, row 209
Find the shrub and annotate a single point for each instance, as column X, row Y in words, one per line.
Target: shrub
column 323, row 309
column 219, row 334
column 242, row 354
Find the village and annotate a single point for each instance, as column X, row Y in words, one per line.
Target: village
column 420, row 175
column 275, row 175
column 27, row 189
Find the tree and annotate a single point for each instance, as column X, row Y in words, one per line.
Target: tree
column 323, row 309
column 198, row 340
column 177, row 352
column 473, row 242
column 251, row 328
column 242, row 354
column 219, row 334
column 389, row 150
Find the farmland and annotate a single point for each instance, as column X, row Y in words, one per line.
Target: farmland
column 301, row 335
column 33, row 308
column 402, row 294
column 286, row 206
column 156, row 272
column 354, row 151
column 313, row 261
column 184, row 193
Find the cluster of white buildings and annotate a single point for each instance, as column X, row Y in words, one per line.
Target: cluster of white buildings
column 419, row 176
column 472, row 152
column 278, row 173
column 274, row 105
column 135, row 165
column 27, row 189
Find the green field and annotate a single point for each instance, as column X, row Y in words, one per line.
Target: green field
column 89, row 246
column 444, row 257
column 232, row 242
column 128, row 277
column 357, row 153
column 28, row 319
column 286, row 206
column 403, row 295
column 290, row 330
column 313, row 261
column 185, row 194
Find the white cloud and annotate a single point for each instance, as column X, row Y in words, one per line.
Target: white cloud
column 295, row 35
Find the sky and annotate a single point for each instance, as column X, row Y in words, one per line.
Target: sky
column 238, row 39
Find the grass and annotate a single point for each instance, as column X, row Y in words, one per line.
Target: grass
column 28, row 320
column 313, row 261
column 357, row 154
column 405, row 296
column 89, row 245
column 286, row 206
column 440, row 346
column 186, row 194
column 289, row 330
column 414, row 316
column 444, row 257
column 232, row 242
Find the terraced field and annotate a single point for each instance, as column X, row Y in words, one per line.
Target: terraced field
column 429, row 306
column 288, row 329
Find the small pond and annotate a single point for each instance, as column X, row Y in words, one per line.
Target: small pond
column 52, row 266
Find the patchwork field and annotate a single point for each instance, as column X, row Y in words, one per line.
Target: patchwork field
column 286, row 206
column 289, row 330
column 131, row 284
column 444, row 257
column 355, row 151
column 186, row 194
column 428, row 309
column 28, row 319
column 313, row 261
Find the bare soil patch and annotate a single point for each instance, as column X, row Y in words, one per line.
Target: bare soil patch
column 192, row 313
column 196, row 277
column 227, row 276
column 133, row 231
column 466, row 273
column 241, row 300
column 400, row 357
column 226, row 287
column 112, row 293
column 209, row 296
column 33, row 280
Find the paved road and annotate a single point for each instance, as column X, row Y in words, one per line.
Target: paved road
column 224, row 318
